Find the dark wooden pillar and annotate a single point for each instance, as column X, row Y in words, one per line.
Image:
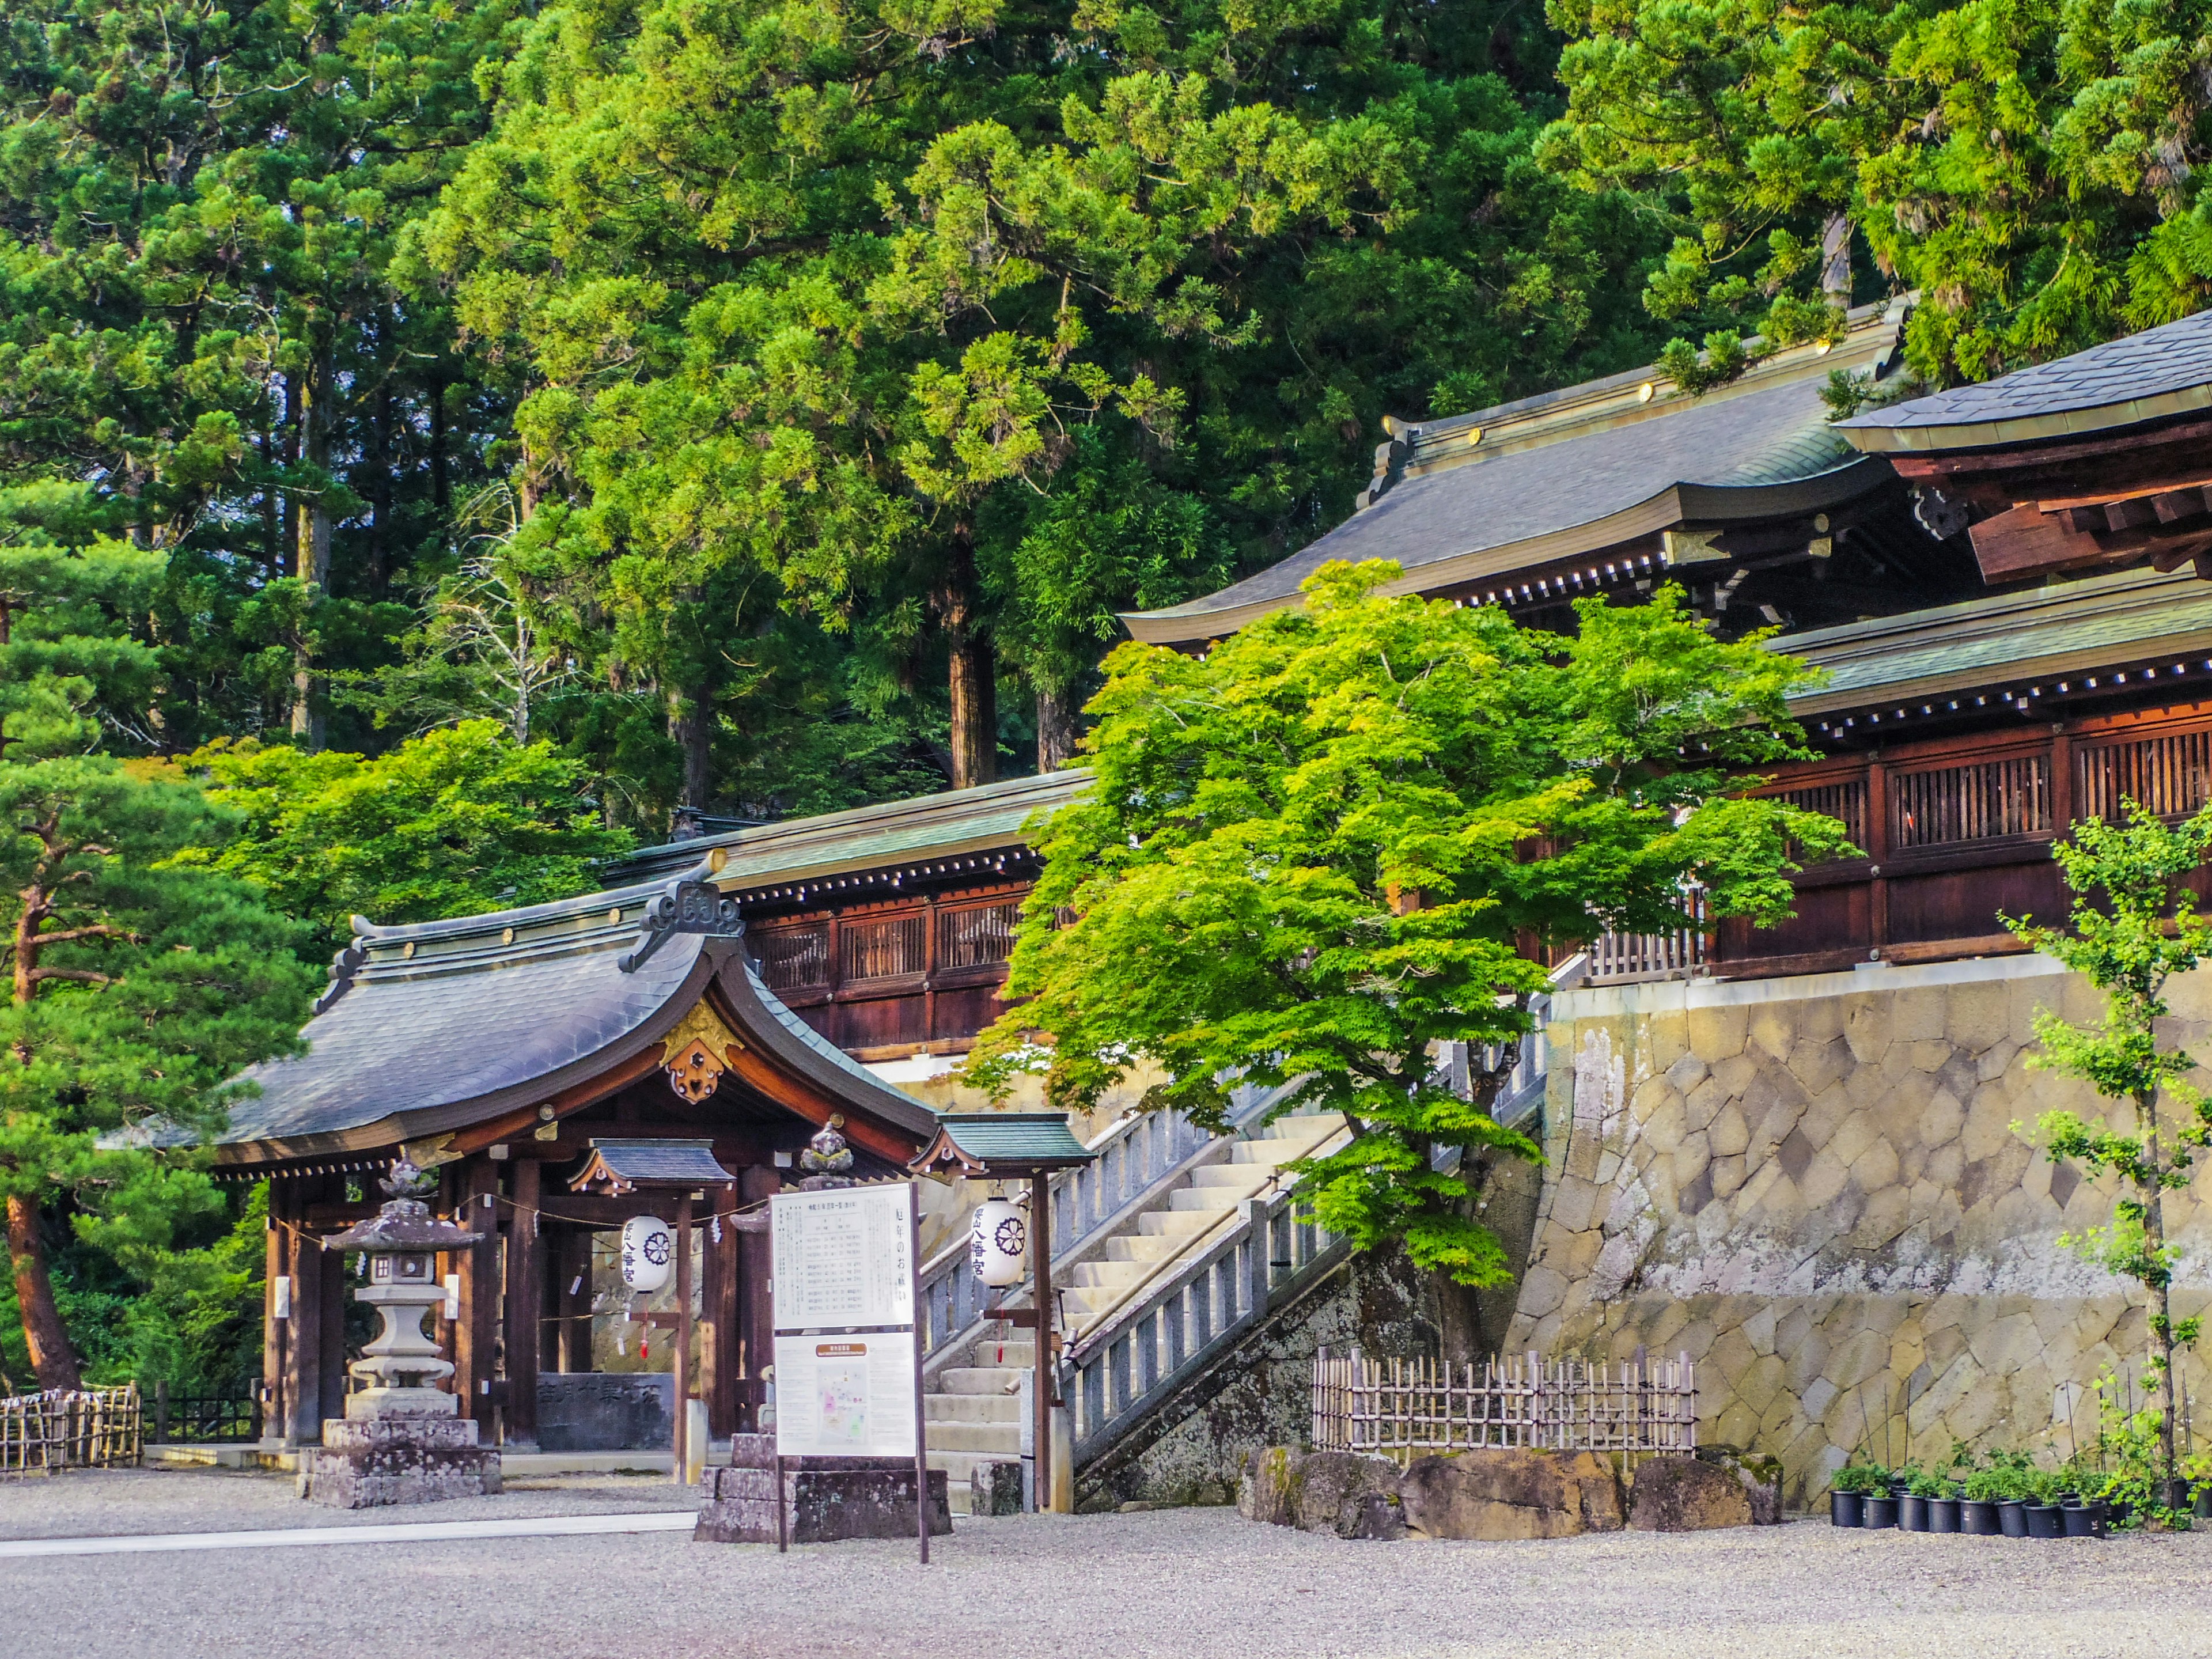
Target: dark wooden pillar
column 275, row 1332
column 1040, row 1281
column 718, row 1298
column 526, row 1294
column 476, row 1335
column 333, row 1297
column 755, row 1293
column 572, row 1298
column 303, row 1367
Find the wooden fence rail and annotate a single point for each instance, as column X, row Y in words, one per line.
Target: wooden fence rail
column 88, row 1428
column 1406, row 1409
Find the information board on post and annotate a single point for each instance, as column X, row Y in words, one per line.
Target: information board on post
column 848, row 1369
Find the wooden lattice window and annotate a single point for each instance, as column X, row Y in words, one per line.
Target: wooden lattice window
column 794, row 958
column 890, row 949
column 2170, row 775
column 1845, row 801
column 1971, row 803
column 977, row 937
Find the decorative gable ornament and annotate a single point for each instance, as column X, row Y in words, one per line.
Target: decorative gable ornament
column 998, row 1242
column 696, row 1054
column 648, row 1253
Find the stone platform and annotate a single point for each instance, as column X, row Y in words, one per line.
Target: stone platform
column 828, row 1499
column 370, row 1462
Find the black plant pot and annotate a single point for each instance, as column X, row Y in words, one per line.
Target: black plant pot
column 1978, row 1517
column 2045, row 1521
column 2083, row 1520
column 1846, row 1508
column 2012, row 1517
column 2203, row 1502
column 2173, row 1495
column 1880, row 1510
column 1911, row 1513
column 2119, row 1512
column 1943, row 1514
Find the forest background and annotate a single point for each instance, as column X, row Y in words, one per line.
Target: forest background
column 453, row 441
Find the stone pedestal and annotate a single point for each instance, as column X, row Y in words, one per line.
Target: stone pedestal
column 827, row 1498
column 367, row 1462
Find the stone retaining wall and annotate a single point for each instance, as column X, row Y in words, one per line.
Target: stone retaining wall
column 1814, row 1188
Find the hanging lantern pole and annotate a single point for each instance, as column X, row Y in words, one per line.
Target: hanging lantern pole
column 1041, row 1271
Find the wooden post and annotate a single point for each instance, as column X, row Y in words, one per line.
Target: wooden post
column 303, row 1253
column 1878, row 852
column 755, row 1293
column 1040, row 1273
column 572, row 1296
column 332, row 1345
column 273, row 1329
column 526, row 1295
column 683, row 1438
column 476, row 1333
column 718, row 1297
column 920, row 1416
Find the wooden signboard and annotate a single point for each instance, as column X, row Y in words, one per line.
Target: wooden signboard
column 848, row 1360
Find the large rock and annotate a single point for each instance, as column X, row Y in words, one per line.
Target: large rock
column 1499, row 1495
column 1351, row 1496
column 1761, row 1478
column 1686, row 1494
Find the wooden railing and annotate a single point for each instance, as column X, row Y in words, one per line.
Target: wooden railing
column 1409, row 1408
column 1954, row 831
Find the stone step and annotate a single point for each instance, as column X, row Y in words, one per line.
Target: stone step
column 1242, row 1178
column 1017, row 1351
column 1112, row 1271
column 1208, row 1198
column 959, row 1466
column 971, row 1407
column 979, row 1379
column 1142, row 1248
column 1004, row 1438
column 1155, row 1223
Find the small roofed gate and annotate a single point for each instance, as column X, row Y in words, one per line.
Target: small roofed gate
column 503, row 1051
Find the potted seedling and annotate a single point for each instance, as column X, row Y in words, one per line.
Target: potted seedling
column 1939, row 1501
column 1912, row 1511
column 1879, row 1508
column 1847, row 1492
column 1978, row 1510
column 2040, row 1488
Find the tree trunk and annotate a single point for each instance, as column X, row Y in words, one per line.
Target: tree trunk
column 1836, row 260
column 380, row 460
column 51, row 1354
column 2161, row 1292
column 690, row 723
column 441, row 490
column 973, row 672
column 1056, row 729
column 313, row 556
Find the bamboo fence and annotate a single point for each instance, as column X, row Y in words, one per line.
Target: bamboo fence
column 1407, row 1408
column 86, row 1428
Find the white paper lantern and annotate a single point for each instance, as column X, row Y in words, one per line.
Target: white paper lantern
column 998, row 1242
column 648, row 1251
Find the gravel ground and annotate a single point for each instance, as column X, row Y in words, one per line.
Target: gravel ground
column 1195, row 1582
column 105, row 1502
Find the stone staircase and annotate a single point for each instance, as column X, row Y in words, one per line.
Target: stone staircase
column 973, row 1413
column 975, row 1416
column 1207, row 1195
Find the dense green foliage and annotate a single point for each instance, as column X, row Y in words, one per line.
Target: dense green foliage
column 1316, row 853
column 2135, row 926
column 2031, row 168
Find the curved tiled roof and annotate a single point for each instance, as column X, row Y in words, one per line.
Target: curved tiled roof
column 2154, row 375
column 1577, row 470
column 434, row 1026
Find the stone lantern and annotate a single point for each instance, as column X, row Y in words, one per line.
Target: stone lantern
column 403, row 1439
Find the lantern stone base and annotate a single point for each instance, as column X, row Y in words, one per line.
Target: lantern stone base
column 827, row 1498
column 370, row 1462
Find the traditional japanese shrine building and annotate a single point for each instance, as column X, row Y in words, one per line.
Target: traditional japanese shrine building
column 500, row 1050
